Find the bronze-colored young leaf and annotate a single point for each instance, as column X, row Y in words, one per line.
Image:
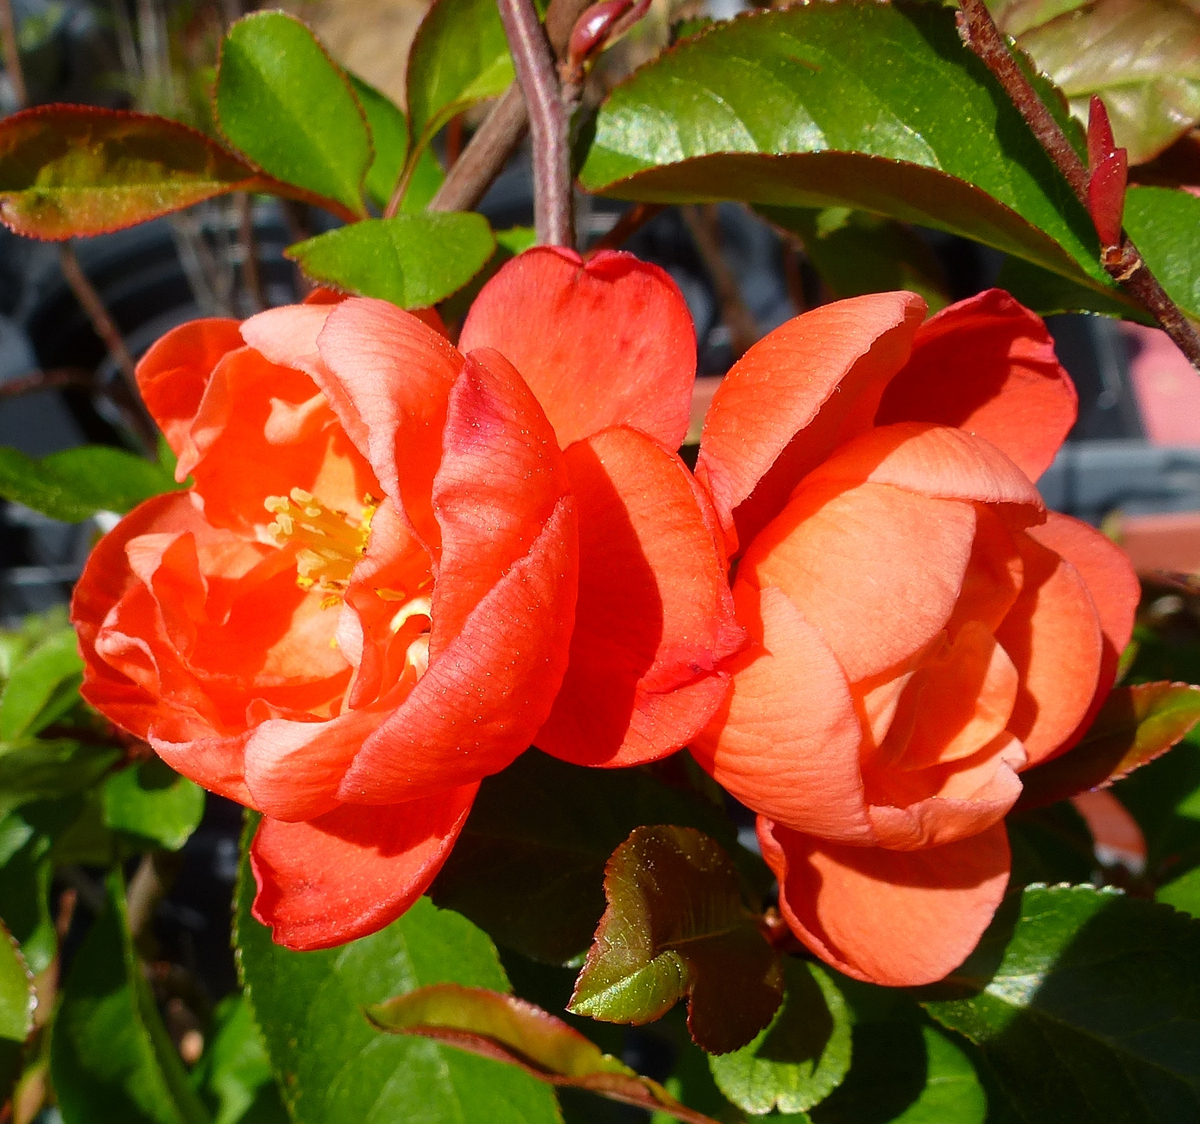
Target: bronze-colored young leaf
column 676, row 927
column 1135, row 725
column 512, row 1030
column 74, row 170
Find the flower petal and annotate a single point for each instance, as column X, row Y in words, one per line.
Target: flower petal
column 896, row 918
column 352, row 871
column 795, row 396
column 787, row 741
column 987, row 365
column 875, row 569
column 172, row 375
column 601, row 343
column 654, row 616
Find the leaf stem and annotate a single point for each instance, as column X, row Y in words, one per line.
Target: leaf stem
column 12, row 53
column 1123, row 262
column 548, row 122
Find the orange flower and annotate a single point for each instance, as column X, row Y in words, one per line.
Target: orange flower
column 370, row 596
column 922, row 628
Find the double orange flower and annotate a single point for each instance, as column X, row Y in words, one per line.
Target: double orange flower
column 400, row 563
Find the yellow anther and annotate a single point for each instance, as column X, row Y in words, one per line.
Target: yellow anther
column 331, row 541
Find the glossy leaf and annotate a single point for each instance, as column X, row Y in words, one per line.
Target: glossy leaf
column 1182, row 893
column 42, row 685
column 1048, row 293
column 111, row 1058
column 800, row 1057
column 233, row 1075
column 285, row 103
column 153, row 803
column 334, row 1066
column 1085, row 1005
column 72, row 170
column 414, row 261
column 76, row 483
column 459, row 57
column 16, row 1010
column 1135, row 725
column 33, row 769
column 1164, row 224
column 529, row 865
column 512, row 1030
column 1141, row 56
column 676, row 927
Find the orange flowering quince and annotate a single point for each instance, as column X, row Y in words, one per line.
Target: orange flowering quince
column 401, row 562
column 922, row 628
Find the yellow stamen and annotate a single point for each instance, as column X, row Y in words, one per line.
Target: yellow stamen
column 330, row 541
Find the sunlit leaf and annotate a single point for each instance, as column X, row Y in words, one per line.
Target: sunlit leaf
column 676, row 927
column 16, row 1010
column 43, row 684
column 233, row 1075
column 153, row 803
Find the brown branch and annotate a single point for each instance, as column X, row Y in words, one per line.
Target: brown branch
column 12, row 53
column 548, row 122
column 486, row 154
column 57, row 378
column 702, row 225
column 1123, row 262
column 626, row 227
column 251, row 275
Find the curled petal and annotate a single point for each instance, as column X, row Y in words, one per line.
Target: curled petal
column 601, row 343
column 896, row 918
column 810, row 385
column 654, row 617
column 787, row 741
column 987, row 365
column 353, row 870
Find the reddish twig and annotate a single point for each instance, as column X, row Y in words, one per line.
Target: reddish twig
column 702, row 225
column 56, row 379
column 12, row 53
column 1122, row 261
column 251, row 275
column 548, row 122
column 626, row 227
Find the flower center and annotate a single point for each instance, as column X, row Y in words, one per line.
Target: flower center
column 331, row 542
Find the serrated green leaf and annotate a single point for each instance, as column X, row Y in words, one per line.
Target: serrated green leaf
column 233, row 1075
column 76, row 483
column 16, row 1010
column 282, row 100
column 676, row 927
column 877, row 107
column 72, row 170
column 111, row 1058
column 33, row 695
column 153, row 803
column 414, row 261
column 800, row 1057
column 459, row 57
column 334, row 1066
column 529, row 864
column 1085, row 1004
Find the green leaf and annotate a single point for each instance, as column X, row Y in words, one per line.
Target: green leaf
column 25, row 891
column 72, row 170
column 1049, row 293
column 286, row 104
column 34, row 769
column 529, row 864
column 414, row 261
column 519, row 1033
column 333, row 1066
column 800, row 1057
column 17, row 1002
column 1134, row 726
column 676, row 927
column 153, row 803
column 233, row 1075
column 1182, row 893
column 1085, row 1005
column 856, row 253
column 1139, row 55
column 874, row 107
column 76, row 483
column 1164, row 224
column 34, row 696
column 459, row 57
column 111, row 1058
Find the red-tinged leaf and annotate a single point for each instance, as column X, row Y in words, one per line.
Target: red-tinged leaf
column 1099, row 133
column 507, row 1029
column 75, row 170
column 1135, row 725
column 1106, row 196
column 676, row 927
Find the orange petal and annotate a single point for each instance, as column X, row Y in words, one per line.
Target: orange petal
column 994, row 574
column 875, row 569
column 932, row 460
column 352, row 871
column 389, row 381
column 172, row 375
column 1117, row 836
column 794, row 397
column 987, row 364
column 787, row 741
column 601, row 343
column 654, row 616
column 896, row 918
column 1052, row 635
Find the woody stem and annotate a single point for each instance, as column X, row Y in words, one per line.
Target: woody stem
column 1123, row 262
